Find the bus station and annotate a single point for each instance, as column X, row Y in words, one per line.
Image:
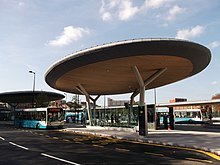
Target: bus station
column 130, row 66
column 25, row 99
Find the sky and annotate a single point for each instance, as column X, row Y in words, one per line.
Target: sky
column 34, row 34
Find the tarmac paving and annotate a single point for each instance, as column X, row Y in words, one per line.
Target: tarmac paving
column 206, row 138
column 200, row 137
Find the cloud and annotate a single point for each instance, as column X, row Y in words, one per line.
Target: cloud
column 69, row 35
column 106, row 16
column 107, row 9
column 121, row 9
column 190, row 33
column 154, row 4
column 127, row 10
column 214, row 44
column 174, row 11
column 214, row 83
column 21, row 4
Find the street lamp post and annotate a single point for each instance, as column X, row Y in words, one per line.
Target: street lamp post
column 33, row 87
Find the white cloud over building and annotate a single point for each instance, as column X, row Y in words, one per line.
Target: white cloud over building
column 69, row 34
column 190, row 33
column 125, row 10
column 154, row 4
column 174, row 11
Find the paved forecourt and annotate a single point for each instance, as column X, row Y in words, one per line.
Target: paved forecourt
column 204, row 141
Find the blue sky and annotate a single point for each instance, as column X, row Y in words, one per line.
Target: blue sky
column 34, row 34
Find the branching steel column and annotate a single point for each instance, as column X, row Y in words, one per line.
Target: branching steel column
column 83, row 91
column 149, row 80
column 142, row 95
column 141, row 85
column 94, row 106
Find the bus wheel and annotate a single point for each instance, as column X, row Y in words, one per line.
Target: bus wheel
column 38, row 126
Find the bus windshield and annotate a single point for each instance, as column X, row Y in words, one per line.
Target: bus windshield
column 188, row 114
column 55, row 114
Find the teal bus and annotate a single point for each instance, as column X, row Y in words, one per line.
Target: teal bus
column 73, row 116
column 184, row 116
column 39, row 118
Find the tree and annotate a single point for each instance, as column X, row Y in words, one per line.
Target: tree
column 74, row 103
column 216, row 107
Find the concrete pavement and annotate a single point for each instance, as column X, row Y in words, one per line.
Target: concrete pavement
column 195, row 137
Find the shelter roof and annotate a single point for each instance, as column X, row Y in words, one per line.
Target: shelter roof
column 107, row 69
column 27, row 96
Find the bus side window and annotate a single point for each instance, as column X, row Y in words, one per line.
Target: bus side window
column 43, row 117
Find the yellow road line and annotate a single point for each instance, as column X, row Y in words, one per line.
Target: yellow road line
column 199, row 160
column 97, row 145
column 182, row 148
column 122, row 149
column 55, row 138
column 155, row 154
column 66, row 140
column 79, row 142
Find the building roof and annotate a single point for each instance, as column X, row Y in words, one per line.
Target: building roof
column 190, row 103
column 27, row 96
column 107, row 69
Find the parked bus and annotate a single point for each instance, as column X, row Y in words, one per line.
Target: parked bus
column 190, row 116
column 73, row 116
column 39, row 118
column 184, row 116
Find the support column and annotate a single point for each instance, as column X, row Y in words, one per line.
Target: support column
column 149, row 80
column 142, row 85
column 171, row 117
column 143, row 127
column 83, row 91
column 94, row 106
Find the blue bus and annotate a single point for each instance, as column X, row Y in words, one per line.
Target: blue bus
column 184, row 116
column 190, row 116
column 39, row 118
column 73, row 116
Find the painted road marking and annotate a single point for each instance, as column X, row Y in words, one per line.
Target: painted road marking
column 212, row 155
column 2, row 138
column 97, row 145
column 122, row 149
column 55, row 138
column 79, row 142
column 199, row 160
column 66, row 140
column 19, row 146
column 154, row 154
column 62, row 160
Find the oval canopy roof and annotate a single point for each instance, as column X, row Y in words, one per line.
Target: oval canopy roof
column 27, row 96
column 107, row 69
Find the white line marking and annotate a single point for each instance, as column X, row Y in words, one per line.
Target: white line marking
column 62, row 160
column 19, row 146
column 2, row 138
